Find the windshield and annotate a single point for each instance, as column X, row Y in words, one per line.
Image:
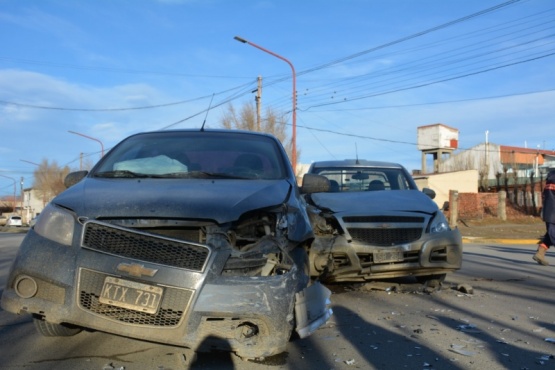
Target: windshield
column 365, row 179
column 194, row 155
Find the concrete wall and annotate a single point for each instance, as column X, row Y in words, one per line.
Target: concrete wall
column 442, row 183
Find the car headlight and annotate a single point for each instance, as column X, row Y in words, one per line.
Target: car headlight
column 439, row 224
column 56, row 224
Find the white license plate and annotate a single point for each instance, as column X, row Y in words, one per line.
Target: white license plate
column 131, row 295
column 388, row 256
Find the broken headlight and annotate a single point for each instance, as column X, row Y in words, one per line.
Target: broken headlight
column 439, row 223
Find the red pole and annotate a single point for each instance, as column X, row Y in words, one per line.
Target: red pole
column 92, row 138
column 294, row 118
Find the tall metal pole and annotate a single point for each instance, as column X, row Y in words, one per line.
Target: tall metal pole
column 294, row 118
column 88, row 137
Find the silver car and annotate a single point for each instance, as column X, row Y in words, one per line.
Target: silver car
column 374, row 223
column 196, row 238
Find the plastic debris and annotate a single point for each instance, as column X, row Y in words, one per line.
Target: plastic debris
column 111, row 366
column 459, row 349
column 465, row 288
column 550, row 340
column 350, row 362
column 468, row 328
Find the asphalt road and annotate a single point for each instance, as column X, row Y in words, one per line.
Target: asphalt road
column 495, row 313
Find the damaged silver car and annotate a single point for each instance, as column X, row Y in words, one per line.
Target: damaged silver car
column 192, row 238
column 374, row 223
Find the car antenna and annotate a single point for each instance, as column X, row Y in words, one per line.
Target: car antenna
column 209, row 105
column 356, row 153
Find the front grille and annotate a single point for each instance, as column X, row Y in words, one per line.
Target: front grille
column 385, row 237
column 384, row 230
column 382, row 219
column 174, row 305
column 145, row 247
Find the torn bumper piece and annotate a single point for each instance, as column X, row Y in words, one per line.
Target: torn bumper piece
column 312, row 309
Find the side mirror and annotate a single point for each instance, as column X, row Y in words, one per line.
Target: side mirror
column 429, row 192
column 313, row 183
column 73, row 178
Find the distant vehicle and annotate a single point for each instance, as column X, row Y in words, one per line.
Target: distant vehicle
column 14, row 221
column 195, row 238
column 374, row 223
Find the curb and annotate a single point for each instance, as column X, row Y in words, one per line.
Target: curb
column 480, row 240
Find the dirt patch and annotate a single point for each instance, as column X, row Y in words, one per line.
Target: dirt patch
column 525, row 227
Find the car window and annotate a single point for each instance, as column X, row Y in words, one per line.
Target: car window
column 193, row 154
column 364, row 179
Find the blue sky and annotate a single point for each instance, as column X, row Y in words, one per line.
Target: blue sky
column 369, row 73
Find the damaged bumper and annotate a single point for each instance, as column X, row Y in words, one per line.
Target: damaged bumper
column 195, row 307
column 337, row 259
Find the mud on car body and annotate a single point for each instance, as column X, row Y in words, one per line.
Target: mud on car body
column 192, row 238
column 374, row 223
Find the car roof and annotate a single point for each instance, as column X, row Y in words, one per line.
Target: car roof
column 356, row 163
column 200, row 131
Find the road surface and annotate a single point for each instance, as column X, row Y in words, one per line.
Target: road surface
column 495, row 313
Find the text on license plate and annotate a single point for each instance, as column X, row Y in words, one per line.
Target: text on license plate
column 132, row 295
column 388, row 256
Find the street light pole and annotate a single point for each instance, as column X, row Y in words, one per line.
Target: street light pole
column 88, row 137
column 14, row 187
column 294, row 118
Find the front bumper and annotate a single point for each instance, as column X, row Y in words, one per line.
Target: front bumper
column 252, row 316
column 336, row 259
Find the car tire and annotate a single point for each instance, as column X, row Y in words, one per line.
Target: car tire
column 49, row 329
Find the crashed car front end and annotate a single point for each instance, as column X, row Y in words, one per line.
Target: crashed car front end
column 220, row 272
column 374, row 223
column 362, row 247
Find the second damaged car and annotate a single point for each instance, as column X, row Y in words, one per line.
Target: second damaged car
column 192, row 238
column 374, row 223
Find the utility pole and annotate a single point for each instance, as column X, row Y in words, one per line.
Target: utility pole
column 258, row 102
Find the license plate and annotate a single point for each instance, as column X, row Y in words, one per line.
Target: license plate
column 388, row 256
column 131, row 295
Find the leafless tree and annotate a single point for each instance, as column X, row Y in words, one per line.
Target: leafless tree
column 272, row 123
column 49, row 179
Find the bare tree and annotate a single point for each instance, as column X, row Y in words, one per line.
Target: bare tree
column 49, row 179
column 273, row 123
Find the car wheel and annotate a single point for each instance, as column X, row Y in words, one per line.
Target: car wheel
column 49, row 329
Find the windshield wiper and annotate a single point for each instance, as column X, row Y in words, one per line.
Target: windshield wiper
column 120, row 173
column 173, row 175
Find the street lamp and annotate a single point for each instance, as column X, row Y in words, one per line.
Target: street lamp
column 294, row 119
column 11, row 178
column 92, row 138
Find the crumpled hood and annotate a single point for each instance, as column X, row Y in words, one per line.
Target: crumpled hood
column 219, row 200
column 375, row 202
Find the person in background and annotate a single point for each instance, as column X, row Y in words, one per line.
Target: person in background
column 548, row 216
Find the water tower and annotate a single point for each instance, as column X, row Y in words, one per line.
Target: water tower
column 438, row 140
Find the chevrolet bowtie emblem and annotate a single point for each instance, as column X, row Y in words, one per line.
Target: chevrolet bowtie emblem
column 134, row 269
